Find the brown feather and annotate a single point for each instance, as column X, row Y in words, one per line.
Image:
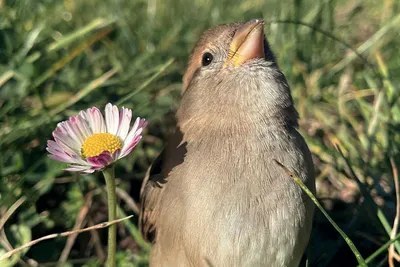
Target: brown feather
column 154, row 182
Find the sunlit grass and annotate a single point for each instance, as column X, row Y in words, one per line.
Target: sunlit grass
column 58, row 57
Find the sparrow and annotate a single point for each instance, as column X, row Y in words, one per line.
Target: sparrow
column 215, row 196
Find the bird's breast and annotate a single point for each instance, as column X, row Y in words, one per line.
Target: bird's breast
column 237, row 205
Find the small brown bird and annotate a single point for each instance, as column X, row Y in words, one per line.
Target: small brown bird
column 215, row 196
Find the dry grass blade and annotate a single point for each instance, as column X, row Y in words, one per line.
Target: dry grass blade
column 74, row 53
column 5, row 77
column 381, row 249
column 47, row 237
column 3, row 238
column 160, row 71
column 97, row 23
column 392, row 253
column 10, row 211
column 79, row 223
column 368, row 198
column 6, row 244
column 96, row 242
column 85, row 91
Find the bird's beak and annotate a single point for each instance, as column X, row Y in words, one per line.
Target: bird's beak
column 247, row 43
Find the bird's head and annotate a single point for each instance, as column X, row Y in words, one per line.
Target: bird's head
column 233, row 80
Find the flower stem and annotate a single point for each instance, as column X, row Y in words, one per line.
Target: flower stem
column 109, row 176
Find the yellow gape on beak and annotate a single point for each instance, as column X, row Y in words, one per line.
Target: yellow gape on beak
column 247, row 43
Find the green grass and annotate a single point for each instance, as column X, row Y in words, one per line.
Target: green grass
column 341, row 59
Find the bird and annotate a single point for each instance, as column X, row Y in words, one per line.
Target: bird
column 215, row 195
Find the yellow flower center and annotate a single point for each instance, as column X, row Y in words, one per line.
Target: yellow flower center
column 96, row 144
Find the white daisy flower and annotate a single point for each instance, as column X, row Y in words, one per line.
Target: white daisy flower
column 89, row 143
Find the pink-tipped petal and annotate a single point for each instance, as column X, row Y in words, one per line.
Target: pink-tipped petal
column 116, row 154
column 65, row 141
column 61, row 132
column 101, row 161
column 57, row 153
column 112, row 119
column 61, row 158
column 125, row 118
column 54, row 148
column 96, row 120
column 78, row 168
column 73, row 127
column 65, row 147
column 71, row 134
column 136, row 130
column 130, row 146
column 84, row 125
column 68, row 159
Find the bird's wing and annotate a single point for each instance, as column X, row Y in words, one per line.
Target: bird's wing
column 155, row 183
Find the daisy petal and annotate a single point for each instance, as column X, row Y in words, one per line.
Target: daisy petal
column 101, row 161
column 116, row 154
column 78, row 168
column 128, row 149
column 64, row 140
column 136, row 130
column 112, row 119
column 95, row 120
column 61, row 158
column 73, row 127
column 71, row 137
column 84, row 125
column 124, row 122
column 55, row 149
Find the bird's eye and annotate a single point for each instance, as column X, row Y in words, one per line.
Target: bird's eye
column 207, row 59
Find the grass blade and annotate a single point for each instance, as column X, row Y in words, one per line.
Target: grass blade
column 350, row 243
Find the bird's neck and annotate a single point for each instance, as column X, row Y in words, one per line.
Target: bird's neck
column 229, row 124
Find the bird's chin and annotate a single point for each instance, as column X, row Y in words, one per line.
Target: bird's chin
column 252, row 64
column 252, row 69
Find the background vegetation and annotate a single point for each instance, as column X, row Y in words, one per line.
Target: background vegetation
column 341, row 59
